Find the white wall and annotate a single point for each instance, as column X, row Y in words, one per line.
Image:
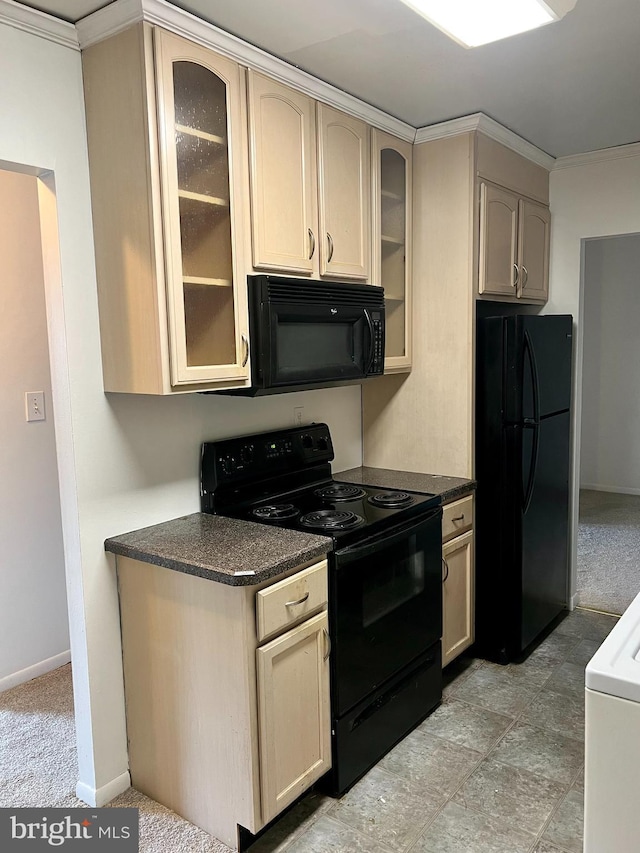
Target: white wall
column 610, row 436
column 123, row 462
column 34, row 635
column 591, row 199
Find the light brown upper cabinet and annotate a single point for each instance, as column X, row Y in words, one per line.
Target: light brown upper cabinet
column 514, row 245
column 344, row 194
column 534, row 227
column 167, row 147
column 392, row 176
column 310, row 185
column 284, row 219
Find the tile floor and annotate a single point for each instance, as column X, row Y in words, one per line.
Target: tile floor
column 497, row 768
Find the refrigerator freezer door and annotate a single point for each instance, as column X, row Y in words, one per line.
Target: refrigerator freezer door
column 545, row 470
column 546, row 345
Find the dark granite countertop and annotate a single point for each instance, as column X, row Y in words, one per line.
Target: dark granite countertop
column 449, row 488
column 239, row 553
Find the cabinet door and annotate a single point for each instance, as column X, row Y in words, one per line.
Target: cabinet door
column 345, row 191
column 499, row 273
column 391, row 160
column 202, row 152
column 293, row 713
column 283, row 177
column 534, row 225
column 457, row 596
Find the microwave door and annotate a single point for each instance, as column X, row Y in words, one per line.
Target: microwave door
column 317, row 343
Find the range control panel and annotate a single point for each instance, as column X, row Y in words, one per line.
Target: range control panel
column 269, row 454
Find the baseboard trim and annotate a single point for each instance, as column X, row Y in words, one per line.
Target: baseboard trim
column 573, row 601
column 98, row 797
column 34, row 671
column 616, row 490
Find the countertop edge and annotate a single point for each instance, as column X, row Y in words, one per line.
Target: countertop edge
column 207, row 573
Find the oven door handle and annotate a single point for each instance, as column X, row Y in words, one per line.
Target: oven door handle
column 370, row 546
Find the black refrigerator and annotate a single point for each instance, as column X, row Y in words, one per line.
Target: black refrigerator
column 523, row 422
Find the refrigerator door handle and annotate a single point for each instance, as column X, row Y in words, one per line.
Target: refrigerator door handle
column 529, row 353
column 532, row 423
column 528, row 492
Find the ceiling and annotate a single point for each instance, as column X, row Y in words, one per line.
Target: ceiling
column 569, row 87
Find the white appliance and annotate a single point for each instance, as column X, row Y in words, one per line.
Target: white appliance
column 612, row 772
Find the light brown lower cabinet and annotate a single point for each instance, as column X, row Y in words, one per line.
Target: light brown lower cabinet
column 223, row 728
column 458, row 586
column 293, row 702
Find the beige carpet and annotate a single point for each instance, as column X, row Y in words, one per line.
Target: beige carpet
column 38, row 765
column 608, row 550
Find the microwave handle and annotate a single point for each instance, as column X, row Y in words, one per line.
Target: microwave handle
column 372, row 343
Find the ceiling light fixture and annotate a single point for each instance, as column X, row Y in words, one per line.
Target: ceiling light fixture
column 475, row 22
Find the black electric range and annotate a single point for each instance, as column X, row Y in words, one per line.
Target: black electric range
column 385, row 580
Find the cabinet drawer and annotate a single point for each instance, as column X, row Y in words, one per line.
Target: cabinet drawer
column 457, row 517
column 282, row 604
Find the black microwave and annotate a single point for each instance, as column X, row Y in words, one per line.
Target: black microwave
column 306, row 334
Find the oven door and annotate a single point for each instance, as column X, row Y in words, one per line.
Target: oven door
column 386, row 607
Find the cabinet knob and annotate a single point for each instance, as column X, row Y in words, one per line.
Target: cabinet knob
column 330, row 242
column 516, row 275
column 312, row 243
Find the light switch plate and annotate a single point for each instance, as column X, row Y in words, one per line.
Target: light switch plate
column 34, row 405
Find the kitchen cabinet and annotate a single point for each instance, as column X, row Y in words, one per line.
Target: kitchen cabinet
column 344, row 194
column 425, row 421
column 227, row 692
column 310, row 190
column 392, row 201
column 284, row 196
column 293, row 702
column 458, row 581
column 514, row 245
column 167, row 142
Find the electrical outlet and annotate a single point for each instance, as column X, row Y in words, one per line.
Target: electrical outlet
column 298, row 412
column 34, row 405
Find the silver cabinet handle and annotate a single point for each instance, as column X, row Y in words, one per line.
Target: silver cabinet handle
column 245, row 346
column 299, row 601
column 327, row 644
column 312, row 243
column 525, row 276
column 516, row 275
column 458, row 518
column 330, row 241
column 445, row 566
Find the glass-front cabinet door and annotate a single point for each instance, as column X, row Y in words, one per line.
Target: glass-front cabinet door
column 392, row 244
column 202, row 142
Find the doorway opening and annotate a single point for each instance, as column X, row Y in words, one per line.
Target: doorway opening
column 34, row 628
column 608, row 553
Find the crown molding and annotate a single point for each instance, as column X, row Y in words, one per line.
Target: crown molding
column 602, row 155
column 108, row 21
column 490, row 128
column 123, row 13
column 38, row 23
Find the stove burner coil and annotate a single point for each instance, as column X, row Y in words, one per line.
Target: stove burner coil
column 391, row 500
column 276, row 512
column 331, row 519
column 340, row 492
